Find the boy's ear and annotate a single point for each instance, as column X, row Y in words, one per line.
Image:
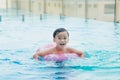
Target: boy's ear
column 53, row 39
column 68, row 40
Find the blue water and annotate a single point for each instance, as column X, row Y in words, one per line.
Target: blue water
column 98, row 40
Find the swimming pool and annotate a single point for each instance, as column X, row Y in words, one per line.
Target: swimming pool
column 98, row 40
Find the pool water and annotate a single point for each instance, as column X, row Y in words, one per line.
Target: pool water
column 98, row 40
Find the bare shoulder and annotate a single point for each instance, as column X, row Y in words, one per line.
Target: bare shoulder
column 72, row 49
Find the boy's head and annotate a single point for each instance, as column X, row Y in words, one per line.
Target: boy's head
column 59, row 30
column 61, row 37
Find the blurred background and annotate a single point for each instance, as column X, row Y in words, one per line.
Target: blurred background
column 102, row 10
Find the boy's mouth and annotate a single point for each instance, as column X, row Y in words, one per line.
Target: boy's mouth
column 62, row 44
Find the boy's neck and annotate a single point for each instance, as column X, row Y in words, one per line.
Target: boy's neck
column 60, row 50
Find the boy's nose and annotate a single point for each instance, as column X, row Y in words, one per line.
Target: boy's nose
column 62, row 40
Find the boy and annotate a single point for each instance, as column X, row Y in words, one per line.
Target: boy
column 61, row 38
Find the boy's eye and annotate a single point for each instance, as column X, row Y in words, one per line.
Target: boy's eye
column 65, row 38
column 62, row 38
column 59, row 38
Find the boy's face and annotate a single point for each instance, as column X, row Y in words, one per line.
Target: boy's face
column 61, row 39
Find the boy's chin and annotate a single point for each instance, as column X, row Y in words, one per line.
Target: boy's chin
column 62, row 46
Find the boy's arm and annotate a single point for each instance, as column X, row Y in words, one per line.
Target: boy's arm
column 36, row 56
column 79, row 53
column 82, row 54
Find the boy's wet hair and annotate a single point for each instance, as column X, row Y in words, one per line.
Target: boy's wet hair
column 59, row 30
